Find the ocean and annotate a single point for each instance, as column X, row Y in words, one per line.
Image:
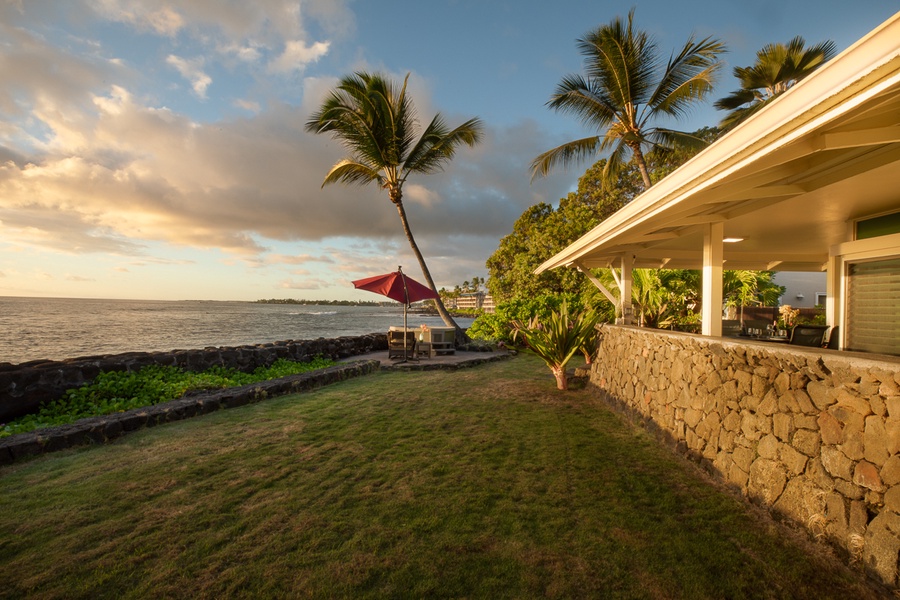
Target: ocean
column 61, row 328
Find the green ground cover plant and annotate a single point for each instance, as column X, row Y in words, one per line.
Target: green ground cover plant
column 117, row 391
column 479, row 483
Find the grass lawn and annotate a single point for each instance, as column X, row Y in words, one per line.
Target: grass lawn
column 479, row 483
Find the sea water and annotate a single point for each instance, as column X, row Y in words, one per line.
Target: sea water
column 60, row 328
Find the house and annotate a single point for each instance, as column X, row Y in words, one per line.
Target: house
column 810, row 183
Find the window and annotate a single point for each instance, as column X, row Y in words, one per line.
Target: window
column 878, row 226
column 873, row 313
column 821, row 298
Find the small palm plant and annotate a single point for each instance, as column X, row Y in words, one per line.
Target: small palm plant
column 557, row 339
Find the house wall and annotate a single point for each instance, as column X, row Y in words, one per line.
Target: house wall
column 813, row 434
column 804, row 284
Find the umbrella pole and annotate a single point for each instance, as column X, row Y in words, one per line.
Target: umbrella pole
column 405, row 307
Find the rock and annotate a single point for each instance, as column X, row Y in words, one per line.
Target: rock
column 866, row 475
column 767, row 480
column 793, row 460
column 875, row 441
column 807, row 442
column 836, row 463
column 820, row 394
column 831, row 429
column 890, row 472
column 768, row 447
column 882, row 546
column 800, row 501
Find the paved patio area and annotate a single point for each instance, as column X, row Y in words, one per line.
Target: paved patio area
column 458, row 360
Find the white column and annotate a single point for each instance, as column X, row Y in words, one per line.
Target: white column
column 712, row 279
column 625, row 307
column 833, row 281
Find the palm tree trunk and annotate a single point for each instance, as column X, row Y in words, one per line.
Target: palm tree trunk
column 642, row 165
column 461, row 337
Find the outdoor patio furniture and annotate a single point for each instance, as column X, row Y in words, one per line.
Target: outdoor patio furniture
column 396, row 345
column 808, row 335
column 442, row 339
column 731, row 327
column 834, row 339
column 424, row 349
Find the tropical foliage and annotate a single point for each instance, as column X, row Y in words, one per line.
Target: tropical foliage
column 376, row 122
column 777, row 68
column 624, row 92
column 557, row 338
column 497, row 326
column 117, row 391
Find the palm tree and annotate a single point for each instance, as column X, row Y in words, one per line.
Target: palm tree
column 377, row 125
column 778, row 67
column 624, row 90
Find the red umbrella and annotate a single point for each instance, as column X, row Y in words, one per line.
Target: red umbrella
column 397, row 286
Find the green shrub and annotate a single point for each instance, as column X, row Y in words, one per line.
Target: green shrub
column 497, row 327
column 557, row 338
column 118, row 391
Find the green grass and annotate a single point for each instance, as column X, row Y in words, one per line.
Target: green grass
column 480, row 483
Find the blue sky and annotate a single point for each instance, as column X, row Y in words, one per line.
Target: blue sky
column 155, row 149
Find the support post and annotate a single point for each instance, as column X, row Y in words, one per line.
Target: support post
column 834, row 273
column 713, row 258
column 625, row 308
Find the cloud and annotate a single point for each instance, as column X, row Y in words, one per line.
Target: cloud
column 306, row 284
column 79, row 279
column 158, row 17
column 248, row 105
column 91, row 162
column 192, row 70
column 297, row 55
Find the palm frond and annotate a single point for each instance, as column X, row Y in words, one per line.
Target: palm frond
column 565, row 155
column 437, row 145
column 585, row 100
column 688, row 77
column 347, row 171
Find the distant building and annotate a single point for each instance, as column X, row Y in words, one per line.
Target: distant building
column 488, row 304
column 471, row 300
column 802, row 289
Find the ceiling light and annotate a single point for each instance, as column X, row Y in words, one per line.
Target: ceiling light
column 732, row 240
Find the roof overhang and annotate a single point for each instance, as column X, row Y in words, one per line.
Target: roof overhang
column 789, row 182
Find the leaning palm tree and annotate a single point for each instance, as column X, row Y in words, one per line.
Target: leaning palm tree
column 624, row 90
column 376, row 122
column 778, row 67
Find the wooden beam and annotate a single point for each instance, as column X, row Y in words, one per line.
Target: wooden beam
column 597, row 283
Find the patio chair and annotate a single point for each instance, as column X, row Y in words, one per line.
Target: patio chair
column 731, row 327
column 834, row 339
column 808, row 335
column 395, row 344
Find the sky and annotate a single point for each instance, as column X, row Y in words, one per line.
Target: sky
column 156, row 149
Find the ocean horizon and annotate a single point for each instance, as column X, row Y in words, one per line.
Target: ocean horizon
column 65, row 328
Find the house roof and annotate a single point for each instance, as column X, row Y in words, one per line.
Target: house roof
column 789, row 181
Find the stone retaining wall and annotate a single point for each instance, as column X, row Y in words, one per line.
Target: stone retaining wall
column 813, row 434
column 25, row 386
column 98, row 430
